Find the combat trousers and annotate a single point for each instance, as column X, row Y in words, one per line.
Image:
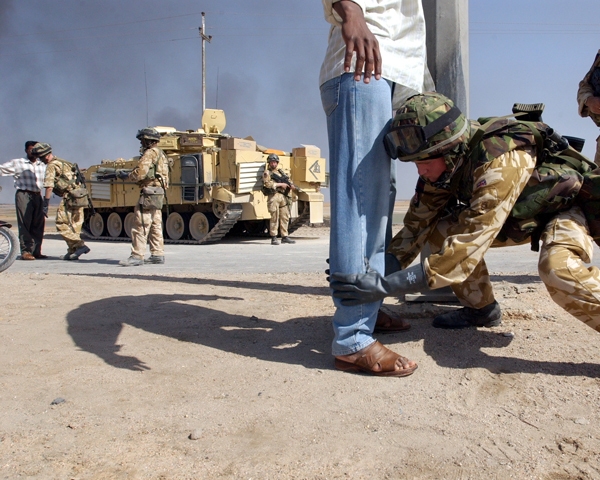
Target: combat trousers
column 68, row 224
column 566, row 245
column 147, row 222
column 280, row 214
column 30, row 220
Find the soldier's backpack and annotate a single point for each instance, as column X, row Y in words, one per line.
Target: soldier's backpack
column 562, row 177
column 75, row 195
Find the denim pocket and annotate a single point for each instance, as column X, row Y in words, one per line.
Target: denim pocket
column 330, row 94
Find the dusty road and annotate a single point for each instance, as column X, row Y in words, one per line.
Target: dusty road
column 223, row 375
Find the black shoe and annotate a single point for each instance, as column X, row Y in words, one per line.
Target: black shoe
column 274, row 241
column 287, row 240
column 154, row 259
column 80, row 251
column 488, row 316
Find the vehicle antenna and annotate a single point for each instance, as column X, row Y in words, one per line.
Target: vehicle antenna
column 204, row 37
column 146, row 82
column 217, row 105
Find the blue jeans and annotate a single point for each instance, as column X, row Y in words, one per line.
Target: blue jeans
column 361, row 174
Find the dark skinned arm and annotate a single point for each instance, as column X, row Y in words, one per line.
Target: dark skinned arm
column 359, row 39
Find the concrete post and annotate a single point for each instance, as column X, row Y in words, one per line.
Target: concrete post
column 448, row 48
column 447, row 24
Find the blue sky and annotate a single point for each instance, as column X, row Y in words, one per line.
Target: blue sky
column 73, row 71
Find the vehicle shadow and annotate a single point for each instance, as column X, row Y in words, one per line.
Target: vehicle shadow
column 277, row 287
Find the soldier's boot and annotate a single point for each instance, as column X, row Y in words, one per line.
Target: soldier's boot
column 132, row 262
column 287, row 240
column 67, row 256
column 488, row 316
column 274, row 241
column 80, row 251
column 155, row 259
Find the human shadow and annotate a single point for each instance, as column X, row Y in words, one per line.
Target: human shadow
column 95, row 328
column 464, row 349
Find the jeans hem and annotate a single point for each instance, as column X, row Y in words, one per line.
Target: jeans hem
column 350, row 351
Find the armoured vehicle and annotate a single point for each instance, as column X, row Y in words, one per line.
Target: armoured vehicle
column 215, row 185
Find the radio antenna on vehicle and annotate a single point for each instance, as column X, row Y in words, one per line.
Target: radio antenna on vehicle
column 204, row 37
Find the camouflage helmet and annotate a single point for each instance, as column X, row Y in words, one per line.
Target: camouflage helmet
column 41, row 150
column 148, row 133
column 426, row 126
column 272, row 158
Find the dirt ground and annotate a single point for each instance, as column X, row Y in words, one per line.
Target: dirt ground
column 230, row 376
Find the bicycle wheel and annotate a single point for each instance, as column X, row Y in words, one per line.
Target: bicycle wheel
column 8, row 248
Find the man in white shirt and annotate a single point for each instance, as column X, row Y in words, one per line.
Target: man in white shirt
column 29, row 177
column 376, row 58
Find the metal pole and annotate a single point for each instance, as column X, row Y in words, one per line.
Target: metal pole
column 447, row 23
column 204, row 37
column 203, row 65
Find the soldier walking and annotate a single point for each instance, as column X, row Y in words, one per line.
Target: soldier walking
column 472, row 178
column 152, row 175
column 29, row 178
column 278, row 200
column 61, row 180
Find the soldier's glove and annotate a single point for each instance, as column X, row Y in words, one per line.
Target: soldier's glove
column 358, row 288
column 45, row 207
column 122, row 174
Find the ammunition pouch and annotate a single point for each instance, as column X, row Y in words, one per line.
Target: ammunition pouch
column 62, row 186
column 152, row 197
column 76, row 198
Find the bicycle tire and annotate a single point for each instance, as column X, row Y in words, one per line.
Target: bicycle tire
column 7, row 236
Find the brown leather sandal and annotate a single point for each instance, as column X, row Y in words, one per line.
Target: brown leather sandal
column 376, row 360
column 387, row 323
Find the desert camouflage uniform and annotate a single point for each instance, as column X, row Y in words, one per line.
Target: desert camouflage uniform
column 148, row 221
column 585, row 91
column 459, row 241
column 69, row 220
column 278, row 205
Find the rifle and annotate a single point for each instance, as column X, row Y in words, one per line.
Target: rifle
column 81, row 180
column 283, row 178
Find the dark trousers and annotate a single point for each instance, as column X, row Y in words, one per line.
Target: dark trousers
column 30, row 220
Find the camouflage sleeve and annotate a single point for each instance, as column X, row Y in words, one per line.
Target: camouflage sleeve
column 496, row 187
column 141, row 170
column 585, row 89
column 421, row 218
column 267, row 180
column 52, row 170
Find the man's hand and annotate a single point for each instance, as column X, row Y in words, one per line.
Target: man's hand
column 45, row 207
column 593, row 104
column 359, row 39
column 122, row 174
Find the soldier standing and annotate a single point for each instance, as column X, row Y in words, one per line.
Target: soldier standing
column 61, row 180
column 29, row 177
column 470, row 178
column 278, row 200
column 152, row 175
column 588, row 98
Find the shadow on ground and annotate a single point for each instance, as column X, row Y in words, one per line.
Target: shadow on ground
column 95, row 328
